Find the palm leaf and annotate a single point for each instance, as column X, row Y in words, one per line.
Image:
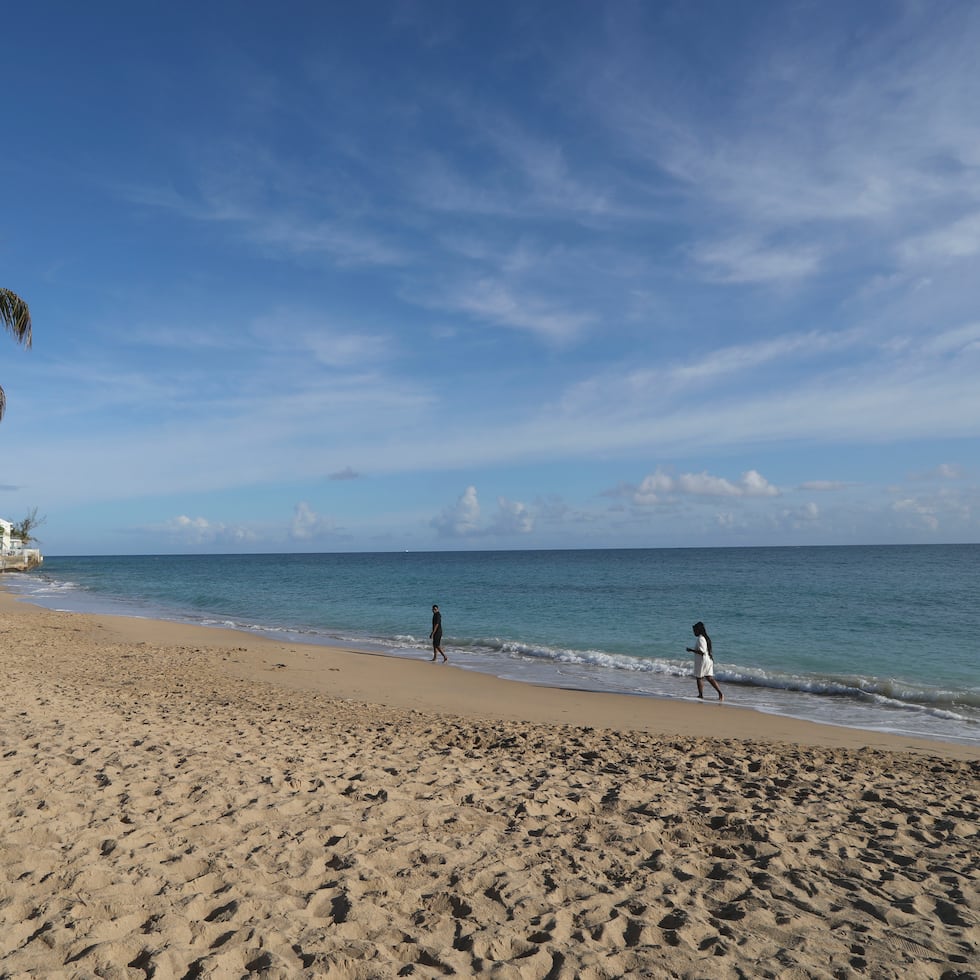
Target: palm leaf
column 16, row 317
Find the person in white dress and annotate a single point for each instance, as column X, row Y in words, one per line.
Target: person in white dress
column 704, row 664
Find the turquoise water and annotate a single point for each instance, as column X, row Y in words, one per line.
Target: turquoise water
column 879, row 638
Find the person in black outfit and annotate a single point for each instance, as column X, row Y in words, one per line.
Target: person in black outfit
column 436, row 634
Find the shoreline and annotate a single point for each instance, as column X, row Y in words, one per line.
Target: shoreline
column 828, row 675
column 182, row 801
column 395, row 681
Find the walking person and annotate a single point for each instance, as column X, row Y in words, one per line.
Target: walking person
column 704, row 664
column 436, row 634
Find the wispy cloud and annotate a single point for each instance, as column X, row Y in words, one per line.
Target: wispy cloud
column 342, row 243
column 305, row 332
column 497, row 303
column 818, row 130
column 286, row 216
column 963, row 341
column 738, row 360
column 957, row 239
column 741, row 260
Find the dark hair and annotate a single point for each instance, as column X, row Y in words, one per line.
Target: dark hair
column 699, row 630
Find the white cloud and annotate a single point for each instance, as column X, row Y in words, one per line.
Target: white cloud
column 201, row 531
column 653, row 487
column 803, row 516
column 924, row 512
column 464, row 519
column 512, row 517
column 308, row 525
column 751, row 484
column 460, row 519
column 660, row 485
column 951, row 505
column 184, row 523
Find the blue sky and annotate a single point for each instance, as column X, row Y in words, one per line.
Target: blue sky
column 331, row 277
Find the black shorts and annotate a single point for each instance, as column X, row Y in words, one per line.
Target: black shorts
column 437, row 638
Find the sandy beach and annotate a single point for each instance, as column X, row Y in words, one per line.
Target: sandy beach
column 181, row 802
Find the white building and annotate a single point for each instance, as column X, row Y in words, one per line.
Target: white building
column 9, row 544
column 13, row 554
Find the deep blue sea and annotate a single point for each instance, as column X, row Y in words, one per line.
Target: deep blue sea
column 877, row 638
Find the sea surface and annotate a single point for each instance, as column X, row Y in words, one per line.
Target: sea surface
column 876, row 638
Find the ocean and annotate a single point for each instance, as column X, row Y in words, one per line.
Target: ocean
column 877, row 638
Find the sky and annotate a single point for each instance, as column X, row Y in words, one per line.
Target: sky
column 318, row 276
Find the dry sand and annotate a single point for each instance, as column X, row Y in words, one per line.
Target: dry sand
column 181, row 803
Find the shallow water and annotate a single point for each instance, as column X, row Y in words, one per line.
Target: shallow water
column 880, row 638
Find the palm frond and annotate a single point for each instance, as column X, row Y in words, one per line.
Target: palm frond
column 15, row 316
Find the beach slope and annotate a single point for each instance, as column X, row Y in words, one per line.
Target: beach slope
column 179, row 802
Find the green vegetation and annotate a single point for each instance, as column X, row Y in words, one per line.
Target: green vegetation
column 25, row 529
column 16, row 318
